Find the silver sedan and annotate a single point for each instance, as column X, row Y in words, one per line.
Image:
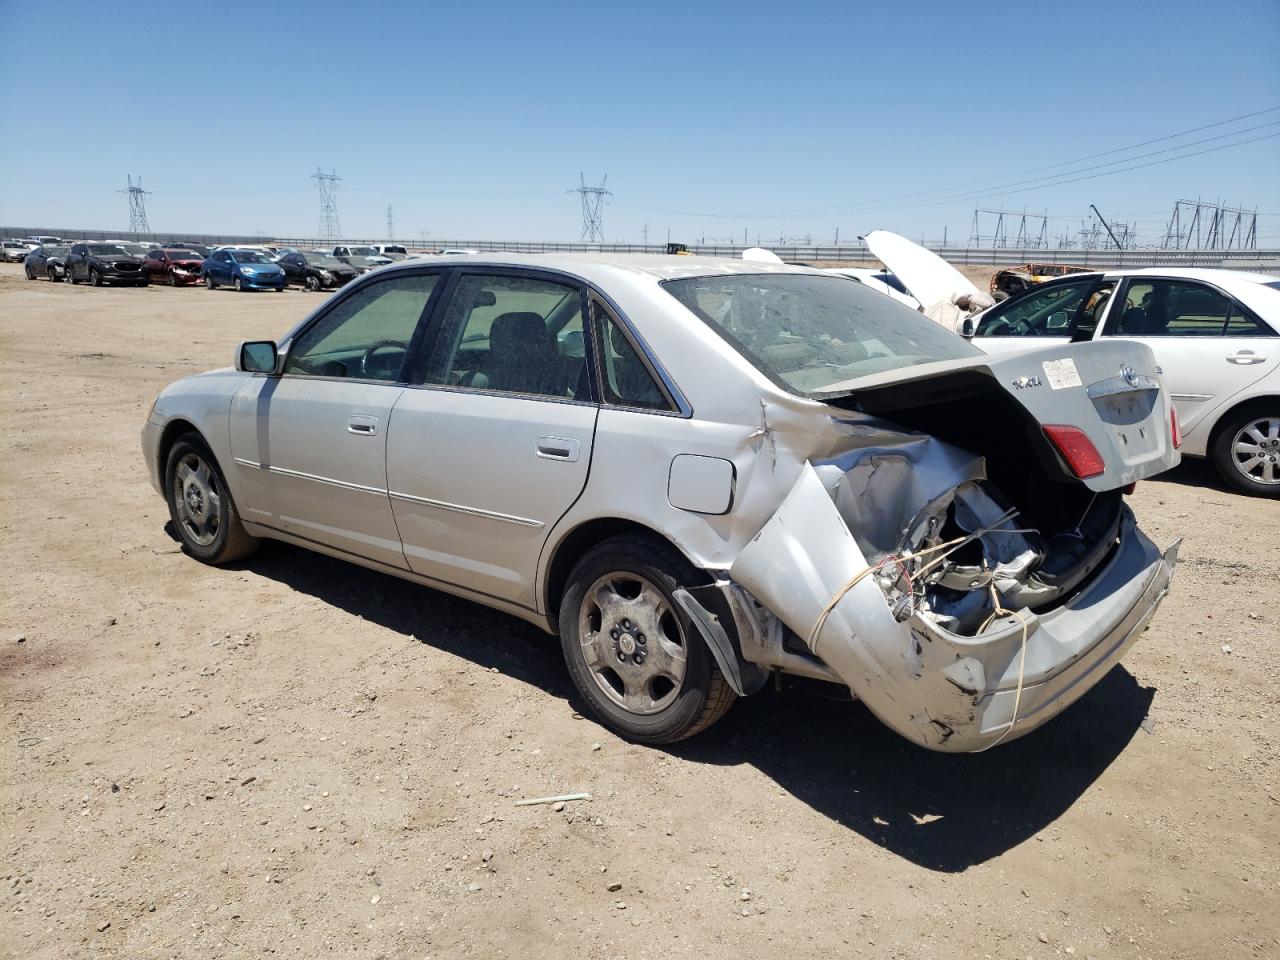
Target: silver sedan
column 698, row 473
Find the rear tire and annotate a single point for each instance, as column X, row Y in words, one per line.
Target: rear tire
column 1246, row 450
column 203, row 513
column 617, row 593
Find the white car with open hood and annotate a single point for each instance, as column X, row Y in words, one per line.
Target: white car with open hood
column 698, row 472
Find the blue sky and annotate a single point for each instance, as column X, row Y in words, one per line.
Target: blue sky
column 473, row 120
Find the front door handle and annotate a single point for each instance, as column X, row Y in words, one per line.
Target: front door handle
column 362, row 425
column 1245, row 357
column 559, row 448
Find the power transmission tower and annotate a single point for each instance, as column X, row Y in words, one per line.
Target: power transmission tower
column 137, row 206
column 391, row 224
column 1199, row 225
column 330, row 229
column 592, row 208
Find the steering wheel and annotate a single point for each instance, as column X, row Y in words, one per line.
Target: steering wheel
column 366, row 361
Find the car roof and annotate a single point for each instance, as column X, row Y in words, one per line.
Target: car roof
column 599, row 266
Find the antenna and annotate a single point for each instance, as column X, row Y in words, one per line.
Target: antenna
column 592, row 208
column 391, row 224
column 330, row 229
column 137, row 206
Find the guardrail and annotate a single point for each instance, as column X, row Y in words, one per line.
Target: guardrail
column 1266, row 261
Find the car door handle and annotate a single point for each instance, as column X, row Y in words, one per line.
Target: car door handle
column 364, row 426
column 558, row 448
column 1245, row 357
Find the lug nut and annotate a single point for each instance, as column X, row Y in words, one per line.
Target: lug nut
column 622, row 656
column 614, row 634
column 626, row 624
column 639, row 657
column 640, row 639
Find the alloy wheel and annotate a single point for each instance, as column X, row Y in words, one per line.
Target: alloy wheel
column 632, row 643
column 197, row 498
column 1256, row 450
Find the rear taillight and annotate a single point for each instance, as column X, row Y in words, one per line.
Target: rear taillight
column 1175, row 429
column 1077, row 449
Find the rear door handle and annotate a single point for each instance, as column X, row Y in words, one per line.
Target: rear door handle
column 363, row 425
column 1245, row 357
column 559, row 448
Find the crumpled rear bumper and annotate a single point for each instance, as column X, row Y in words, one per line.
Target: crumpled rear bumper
column 938, row 689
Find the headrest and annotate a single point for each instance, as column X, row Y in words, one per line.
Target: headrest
column 512, row 331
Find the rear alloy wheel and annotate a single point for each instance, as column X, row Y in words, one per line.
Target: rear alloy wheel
column 631, row 651
column 1247, row 452
column 200, row 506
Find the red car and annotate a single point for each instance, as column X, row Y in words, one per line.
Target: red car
column 174, row 267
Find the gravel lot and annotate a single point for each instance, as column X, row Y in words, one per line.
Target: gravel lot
column 297, row 757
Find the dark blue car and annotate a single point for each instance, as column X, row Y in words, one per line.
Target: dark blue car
column 242, row 269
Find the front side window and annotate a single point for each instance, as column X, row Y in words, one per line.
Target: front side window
column 513, row 335
column 366, row 335
column 625, row 380
column 1176, row 308
column 1043, row 312
column 810, row 333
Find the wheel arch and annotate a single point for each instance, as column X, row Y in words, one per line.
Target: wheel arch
column 1270, row 401
column 578, row 541
column 174, row 429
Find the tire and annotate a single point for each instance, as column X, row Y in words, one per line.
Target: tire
column 659, row 707
column 1246, row 450
column 238, row 285
column 53, row 276
column 95, row 278
column 173, row 279
column 200, row 505
column 71, row 277
column 210, row 282
column 313, row 284
column 26, row 268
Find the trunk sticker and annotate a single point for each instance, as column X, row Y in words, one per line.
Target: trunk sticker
column 1061, row 373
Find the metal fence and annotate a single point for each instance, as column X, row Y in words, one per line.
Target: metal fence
column 1267, row 261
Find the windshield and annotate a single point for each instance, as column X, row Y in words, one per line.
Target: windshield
column 107, row 249
column 58, row 251
column 363, row 252
column 809, row 332
column 320, row 260
column 248, row 256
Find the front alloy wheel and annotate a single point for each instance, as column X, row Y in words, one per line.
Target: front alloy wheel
column 238, row 285
column 633, row 654
column 209, row 282
column 200, row 506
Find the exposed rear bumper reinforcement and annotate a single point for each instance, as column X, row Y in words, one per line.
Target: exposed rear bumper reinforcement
column 941, row 690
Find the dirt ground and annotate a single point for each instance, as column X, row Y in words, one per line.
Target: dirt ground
column 295, row 757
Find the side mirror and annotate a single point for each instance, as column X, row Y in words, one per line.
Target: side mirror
column 257, row 356
column 968, row 327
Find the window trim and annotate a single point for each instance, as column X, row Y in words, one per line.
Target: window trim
column 415, row 339
column 1263, row 330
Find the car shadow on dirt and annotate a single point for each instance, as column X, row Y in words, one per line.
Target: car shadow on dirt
column 1195, row 472
column 941, row 811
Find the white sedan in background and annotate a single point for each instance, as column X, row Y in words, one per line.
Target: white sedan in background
column 1215, row 334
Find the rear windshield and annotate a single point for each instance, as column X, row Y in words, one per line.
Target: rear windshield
column 807, row 333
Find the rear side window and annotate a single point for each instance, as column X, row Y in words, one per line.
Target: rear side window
column 512, row 334
column 625, row 378
column 1178, row 308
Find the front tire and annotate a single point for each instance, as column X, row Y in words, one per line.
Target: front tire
column 632, row 653
column 53, row 276
column 95, row 278
column 1247, row 451
column 26, row 268
column 238, row 285
column 313, row 284
column 210, row 282
column 173, row 279
column 200, row 505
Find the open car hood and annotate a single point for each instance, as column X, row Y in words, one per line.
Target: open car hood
column 923, row 272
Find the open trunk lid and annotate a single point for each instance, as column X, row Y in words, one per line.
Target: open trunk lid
column 929, row 278
column 1108, row 390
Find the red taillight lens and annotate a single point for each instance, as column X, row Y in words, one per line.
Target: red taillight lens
column 1175, row 428
column 1077, row 449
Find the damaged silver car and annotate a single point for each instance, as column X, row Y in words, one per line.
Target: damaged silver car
column 699, row 473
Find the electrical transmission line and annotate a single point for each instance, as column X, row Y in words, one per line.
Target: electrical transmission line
column 391, row 224
column 592, row 208
column 137, row 206
column 327, row 183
